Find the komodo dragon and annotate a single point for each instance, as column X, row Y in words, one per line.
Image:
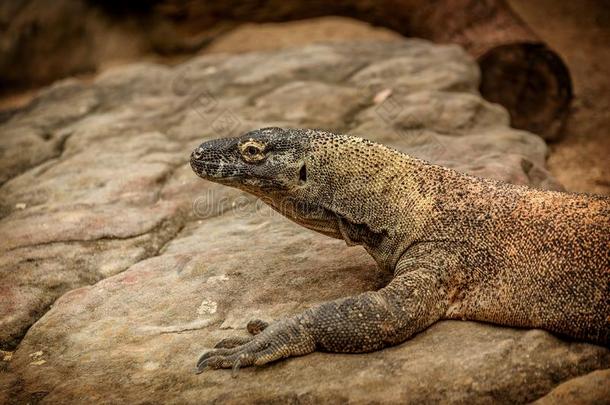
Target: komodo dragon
column 459, row 247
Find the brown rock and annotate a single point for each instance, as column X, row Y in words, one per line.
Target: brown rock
column 578, row 391
column 122, row 266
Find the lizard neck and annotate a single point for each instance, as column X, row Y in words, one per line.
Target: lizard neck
column 376, row 195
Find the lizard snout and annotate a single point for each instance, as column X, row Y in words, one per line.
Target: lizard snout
column 214, row 160
column 197, row 162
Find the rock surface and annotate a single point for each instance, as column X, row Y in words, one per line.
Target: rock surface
column 122, row 266
column 578, row 390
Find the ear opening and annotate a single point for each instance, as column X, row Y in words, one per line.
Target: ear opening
column 303, row 174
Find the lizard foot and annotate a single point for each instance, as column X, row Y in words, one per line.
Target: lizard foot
column 282, row 339
column 254, row 327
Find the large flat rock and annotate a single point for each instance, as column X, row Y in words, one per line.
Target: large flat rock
column 118, row 266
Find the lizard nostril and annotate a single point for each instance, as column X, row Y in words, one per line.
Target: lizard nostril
column 197, row 153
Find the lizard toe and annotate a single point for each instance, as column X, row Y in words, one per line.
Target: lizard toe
column 233, row 361
column 214, row 353
column 249, row 347
column 232, row 342
column 244, row 358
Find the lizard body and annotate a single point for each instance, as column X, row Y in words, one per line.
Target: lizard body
column 459, row 247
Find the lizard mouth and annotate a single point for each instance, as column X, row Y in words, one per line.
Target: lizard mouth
column 214, row 172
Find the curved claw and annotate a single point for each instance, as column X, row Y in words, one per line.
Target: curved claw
column 200, row 368
column 235, row 368
column 212, row 353
column 207, row 364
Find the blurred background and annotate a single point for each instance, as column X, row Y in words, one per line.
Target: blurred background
column 546, row 61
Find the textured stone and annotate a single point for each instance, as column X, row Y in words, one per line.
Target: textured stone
column 578, row 390
column 123, row 267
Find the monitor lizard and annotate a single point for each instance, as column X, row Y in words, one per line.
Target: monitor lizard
column 459, row 247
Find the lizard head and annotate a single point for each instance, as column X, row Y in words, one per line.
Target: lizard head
column 267, row 161
column 278, row 165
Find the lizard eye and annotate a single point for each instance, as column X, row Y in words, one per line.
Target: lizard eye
column 252, row 151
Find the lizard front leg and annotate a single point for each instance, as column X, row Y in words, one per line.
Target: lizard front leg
column 370, row 321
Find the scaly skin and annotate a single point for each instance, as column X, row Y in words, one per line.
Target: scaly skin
column 460, row 247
